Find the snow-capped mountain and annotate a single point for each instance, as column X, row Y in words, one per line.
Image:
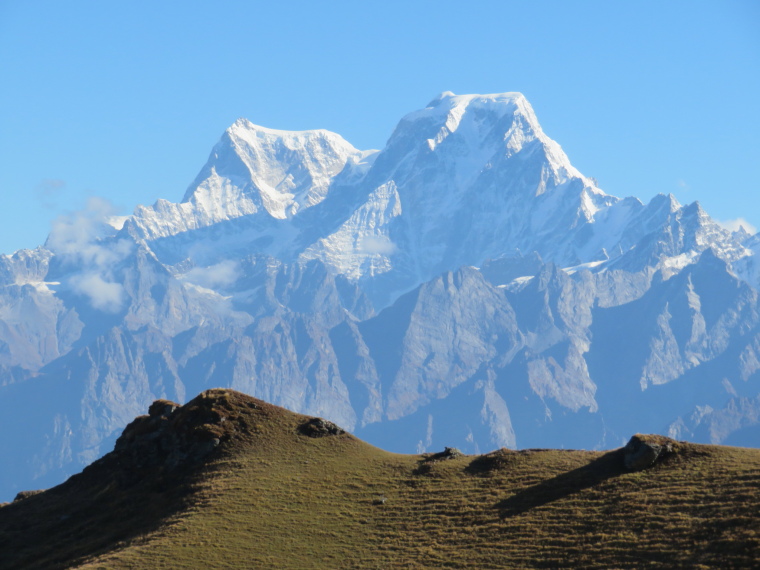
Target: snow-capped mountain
column 466, row 179
column 465, row 285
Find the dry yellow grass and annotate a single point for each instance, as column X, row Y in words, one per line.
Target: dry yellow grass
column 270, row 497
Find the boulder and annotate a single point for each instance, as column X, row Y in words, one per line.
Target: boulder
column 162, row 408
column 643, row 451
column 318, row 427
column 447, row 453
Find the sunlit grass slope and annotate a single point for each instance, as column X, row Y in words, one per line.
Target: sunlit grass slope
column 277, row 493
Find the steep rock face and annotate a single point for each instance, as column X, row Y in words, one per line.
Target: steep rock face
column 463, row 286
column 35, row 326
column 73, row 410
column 265, row 329
column 678, row 239
column 748, row 267
column 736, row 423
column 583, row 369
column 683, row 322
column 436, row 337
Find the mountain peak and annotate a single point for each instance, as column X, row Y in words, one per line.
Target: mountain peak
column 495, row 104
column 443, row 95
column 253, row 170
column 478, row 98
column 280, row 172
column 244, row 128
column 485, row 126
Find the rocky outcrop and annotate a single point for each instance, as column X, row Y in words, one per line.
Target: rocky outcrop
column 643, row 451
column 429, row 460
column 318, row 427
column 172, row 437
column 447, row 453
column 492, row 461
column 23, row 495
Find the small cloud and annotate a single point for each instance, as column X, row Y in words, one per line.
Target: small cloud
column 376, row 244
column 682, row 184
column 83, row 240
column 736, row 224
column 77, row 233
column 220, row 275
column 106, row 296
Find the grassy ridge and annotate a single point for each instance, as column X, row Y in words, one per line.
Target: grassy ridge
column 271, row 497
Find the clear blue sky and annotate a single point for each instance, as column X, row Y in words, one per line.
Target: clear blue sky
column 124, row 100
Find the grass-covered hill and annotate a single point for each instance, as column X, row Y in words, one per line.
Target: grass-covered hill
column 227, row 481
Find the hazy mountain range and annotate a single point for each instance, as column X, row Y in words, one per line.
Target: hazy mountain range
column 464, row 286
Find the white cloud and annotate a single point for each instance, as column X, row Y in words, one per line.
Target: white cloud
column 377, row 244
column 107, row 296
column 735, row 224
column 77, row 232
column 682, row 184
column 78, row 239
column 218, row 275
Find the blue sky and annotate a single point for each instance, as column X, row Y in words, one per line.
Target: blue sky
column 124, row 100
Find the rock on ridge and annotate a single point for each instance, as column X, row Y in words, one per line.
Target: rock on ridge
column 173, row 436
column 643, row 451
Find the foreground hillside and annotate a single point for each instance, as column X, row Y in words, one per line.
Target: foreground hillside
column 227, row 480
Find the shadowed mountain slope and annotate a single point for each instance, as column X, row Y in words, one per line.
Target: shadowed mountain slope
column 228, row 480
